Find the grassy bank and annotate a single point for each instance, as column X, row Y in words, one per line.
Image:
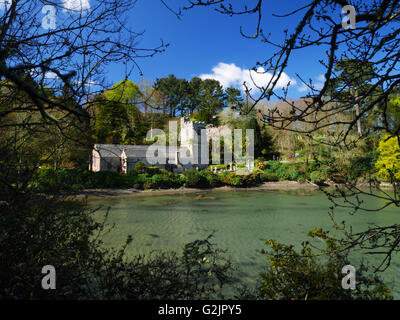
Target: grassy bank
column 150, row 178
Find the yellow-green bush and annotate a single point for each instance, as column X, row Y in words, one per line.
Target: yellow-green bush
column 388, row 163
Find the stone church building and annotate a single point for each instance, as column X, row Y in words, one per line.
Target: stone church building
column 123, row 158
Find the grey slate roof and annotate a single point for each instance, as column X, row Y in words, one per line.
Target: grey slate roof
column 115, row 150
column 136, row 151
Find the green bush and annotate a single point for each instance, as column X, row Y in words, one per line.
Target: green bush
column 161, row 181
column 273, row 166
column 293, row 174
column 176, row 180
column 194, row 179
column 212, row 180
column 226, row 177
column 269, row 177
column 147, row 185
column 282, row 172
column 238, row 181
column 301, row 179
column 139, row 181
column 317, row 177
column 140, row 167
column 77, row 179
column 252, row 179
column 163, row 171
column 300, row 275
column 132, row 173
column 151, row 171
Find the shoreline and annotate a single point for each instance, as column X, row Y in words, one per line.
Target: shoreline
column 131, row 192
column 284, row 185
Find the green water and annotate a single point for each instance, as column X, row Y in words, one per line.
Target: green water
column 240, row 220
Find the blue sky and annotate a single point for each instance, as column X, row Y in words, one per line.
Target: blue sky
column 205, row 39
column 208, row 44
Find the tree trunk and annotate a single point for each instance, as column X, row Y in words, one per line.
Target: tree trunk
column 358, row 120
column 357, row 107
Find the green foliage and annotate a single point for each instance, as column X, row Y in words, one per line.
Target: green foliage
column 140, row 167
column 140, row 180
column 273, row 165
column 162, row 181
column 151, row 171
column 362, row 165
column 283, row 171
column 125, row 91
column 317, row 177
column 301, row 179
column 193, row 179
column 293, row 174
column 117, row 116
column 144, row 177
column 201, row 98
column 237, row 181
column 213, row 180
column 177, row 180
column 269, row 177
column 78, row 179
column 293, row 275
column 388, row 163
column 226, row 177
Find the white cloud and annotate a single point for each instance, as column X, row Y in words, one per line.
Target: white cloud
column 5, row 4
column 321, row 78
column 76, row 5
column 230, row 75
column 51, row 75
column 303, row 88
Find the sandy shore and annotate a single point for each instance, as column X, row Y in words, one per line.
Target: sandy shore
column 280, row 185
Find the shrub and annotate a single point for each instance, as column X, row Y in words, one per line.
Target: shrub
column 317, row 177
column 293, row 275
column 282, row 172
column 176, row 180
column 111, row 179
column 273, row 165
column 194, row 179
column 360, row 165
column 147, row 185
column 213, row 180
column 260, row 164
column 252, row 179
column 161, row 181
column 139, row 181
column 238, row 181
column 226, row 177
column 388, row 165
column 301, row 179
column 210, row 179
column 293, row 174
column 132, row 173
column 269, row 177
column 140, row 166
column 151, row 171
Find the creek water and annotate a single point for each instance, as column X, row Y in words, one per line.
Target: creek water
column 240, row 221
